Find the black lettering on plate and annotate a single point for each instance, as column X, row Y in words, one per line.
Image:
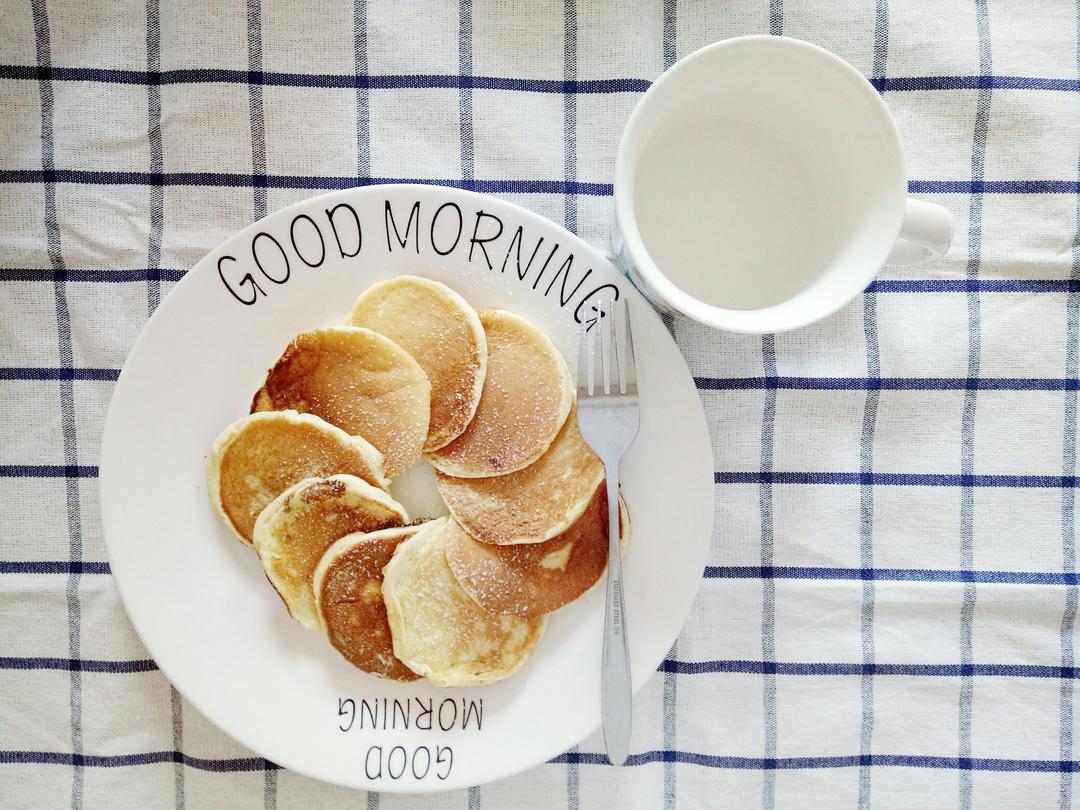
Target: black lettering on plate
column 515, row 248
column 318, row 233
column 404, row 711
column 564, row 271
column 476, row 241
column 592, row 297
column 416, row 759
column 473, row 707
column 390, row 762
column 258, row 261
column 391, row 225
column 371, row 710
column 330, row 212
column 460, row 227
column 346, row 707
column 444, row 755
column 378, row 763
column 246, row 280
column 543, row 269
column 425, row 713
column 453, row 718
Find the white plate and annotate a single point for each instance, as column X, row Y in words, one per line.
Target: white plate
column 198, row 598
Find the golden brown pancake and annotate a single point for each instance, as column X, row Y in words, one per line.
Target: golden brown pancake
column 443, row 333
column 531, row 505
column 526, row 398
column 258, row 457
column 532, row 579
column 360, row 381
column 438, row 630
column 348, row 597
column 292, row 533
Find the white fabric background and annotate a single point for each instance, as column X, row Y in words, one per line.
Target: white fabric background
column 910, row 641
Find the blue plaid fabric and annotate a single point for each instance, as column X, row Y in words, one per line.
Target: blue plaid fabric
column 888, row 618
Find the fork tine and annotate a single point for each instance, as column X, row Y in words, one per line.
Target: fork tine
column 613, row 363
column 630, row 379
column 603, row 346
column 584, row 368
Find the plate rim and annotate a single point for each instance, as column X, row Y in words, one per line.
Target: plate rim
column 106, row 465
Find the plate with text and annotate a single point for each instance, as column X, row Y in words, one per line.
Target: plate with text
column 199, row 599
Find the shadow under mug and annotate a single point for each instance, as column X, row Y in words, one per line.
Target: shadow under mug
column 760, row 186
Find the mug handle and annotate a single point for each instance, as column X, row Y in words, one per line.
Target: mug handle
column 925, row 234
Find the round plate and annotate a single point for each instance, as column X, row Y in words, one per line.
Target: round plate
column 198, row 598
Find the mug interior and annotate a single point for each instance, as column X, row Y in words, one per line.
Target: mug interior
column 760, row 184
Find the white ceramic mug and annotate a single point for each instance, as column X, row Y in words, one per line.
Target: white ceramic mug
column 760, row 186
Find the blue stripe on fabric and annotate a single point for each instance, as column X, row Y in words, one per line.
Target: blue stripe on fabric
column 897, row 479
column 259, row 180
column 670, row 665
column 768, row 587
column 1068, row 501
column 16, row 373
column 465, row 109
column 1069, row 578
column 866, row 492
column 78, row 665
column 980, row 186
column 852, row 761
column 408, row 81
column 70, row 471
column 360, row 80
column 235, row 180
column 570, row 222
column 671, row 683
column 176, row 709
column 703, row 383
column 874, row 383
column 153, row 300
column 468, row 162
column 127, row 760
column 43, row 274
column 902, row 84
column 8, row 757
column 967, row 425
column 914, row 285
column 809, row 669
column 762, row 477
column 65, row 350
column 255, row 102
column 157, row 161
column 53, row 567
column 570, row 218
column 963, row 285
column 363, row 112
column 259, row 205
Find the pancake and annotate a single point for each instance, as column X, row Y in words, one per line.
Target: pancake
column 443, row 334
column 360, row 381
column 292, row 533
column 348, row 597
column 526, row 398
column 531, row 505
column 258, row 457
column 536, row 578
column 438, row 630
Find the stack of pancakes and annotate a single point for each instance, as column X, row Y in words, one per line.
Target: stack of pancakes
column 487, row 399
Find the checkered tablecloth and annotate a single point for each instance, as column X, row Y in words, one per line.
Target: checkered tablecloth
column 888, row 614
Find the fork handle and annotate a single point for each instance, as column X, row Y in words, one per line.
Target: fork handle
column 615, row 669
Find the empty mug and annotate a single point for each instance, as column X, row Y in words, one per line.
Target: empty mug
column 760, row 186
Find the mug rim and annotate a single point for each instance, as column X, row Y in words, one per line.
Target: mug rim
column 762, row 320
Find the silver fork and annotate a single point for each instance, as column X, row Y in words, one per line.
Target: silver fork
column 607, row 406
